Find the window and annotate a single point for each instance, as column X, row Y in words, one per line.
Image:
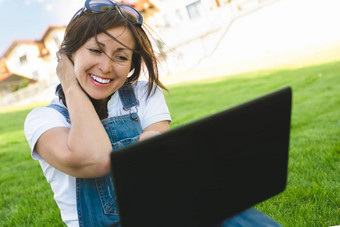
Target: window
column 194, row 10
column 179, row 15
column 23, row 59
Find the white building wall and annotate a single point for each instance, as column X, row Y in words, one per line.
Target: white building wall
column 52, row 42
column 24, row 60
column 193, row 29
column 190, row 30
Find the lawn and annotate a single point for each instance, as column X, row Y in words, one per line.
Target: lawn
column 311, row 197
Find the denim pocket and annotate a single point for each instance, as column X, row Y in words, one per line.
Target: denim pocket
column 106, row 194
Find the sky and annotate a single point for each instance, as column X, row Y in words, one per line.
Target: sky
column 28, row 19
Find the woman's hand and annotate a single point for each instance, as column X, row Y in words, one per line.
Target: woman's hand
column 65, row 71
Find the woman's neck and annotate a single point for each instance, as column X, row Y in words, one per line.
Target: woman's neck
column 101, row 107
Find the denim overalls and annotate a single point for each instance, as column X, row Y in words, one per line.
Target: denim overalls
column 96, row 203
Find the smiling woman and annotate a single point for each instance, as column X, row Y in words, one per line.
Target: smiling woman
column 101, row 107
column 99, row 74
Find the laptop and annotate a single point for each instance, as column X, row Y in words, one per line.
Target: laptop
column 204, row 172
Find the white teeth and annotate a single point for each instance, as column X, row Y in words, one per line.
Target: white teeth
column 100, row 80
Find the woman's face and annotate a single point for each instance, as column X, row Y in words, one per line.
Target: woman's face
column 97, row 74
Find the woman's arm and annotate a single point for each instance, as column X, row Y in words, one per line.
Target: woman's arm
column 84, row 149
column 154, row 130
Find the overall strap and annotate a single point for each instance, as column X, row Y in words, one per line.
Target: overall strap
column 129, row 100
column 126, row 94
column 61, row 110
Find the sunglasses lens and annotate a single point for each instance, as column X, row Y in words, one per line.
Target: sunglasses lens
column 131, row 14
column 99, row 5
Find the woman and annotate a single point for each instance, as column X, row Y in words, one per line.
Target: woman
column 101, row 107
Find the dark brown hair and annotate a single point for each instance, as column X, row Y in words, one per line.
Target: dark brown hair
column 85, row 25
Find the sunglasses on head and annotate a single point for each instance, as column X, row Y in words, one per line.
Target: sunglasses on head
column 100, row 6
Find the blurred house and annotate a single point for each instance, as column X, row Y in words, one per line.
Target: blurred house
column 26, row 57
column 28, row 61
column 35, row 59
column 187, row 31
column 9, row 81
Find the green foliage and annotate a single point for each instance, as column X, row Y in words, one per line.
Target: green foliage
column 24, row 82
column 311, row 197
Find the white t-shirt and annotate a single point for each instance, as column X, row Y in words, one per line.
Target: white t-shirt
column 151, row 109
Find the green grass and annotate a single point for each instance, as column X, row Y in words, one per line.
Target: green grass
column 312, row 194
column 25, row 197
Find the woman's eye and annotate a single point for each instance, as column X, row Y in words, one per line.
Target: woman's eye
column 97, row 51
column 121, row 58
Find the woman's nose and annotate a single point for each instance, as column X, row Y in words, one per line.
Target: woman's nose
column 106, row 65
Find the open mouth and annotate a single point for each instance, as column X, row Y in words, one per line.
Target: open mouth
column 100, row 80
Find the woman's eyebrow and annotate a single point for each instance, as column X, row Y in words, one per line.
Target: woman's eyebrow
column 118, row 49
column 123, row 49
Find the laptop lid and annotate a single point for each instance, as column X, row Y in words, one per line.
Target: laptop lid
column 206, row 171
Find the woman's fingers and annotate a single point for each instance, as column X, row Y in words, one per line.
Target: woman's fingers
column 65, row 70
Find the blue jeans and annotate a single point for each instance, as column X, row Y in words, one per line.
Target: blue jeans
column 249, row 218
